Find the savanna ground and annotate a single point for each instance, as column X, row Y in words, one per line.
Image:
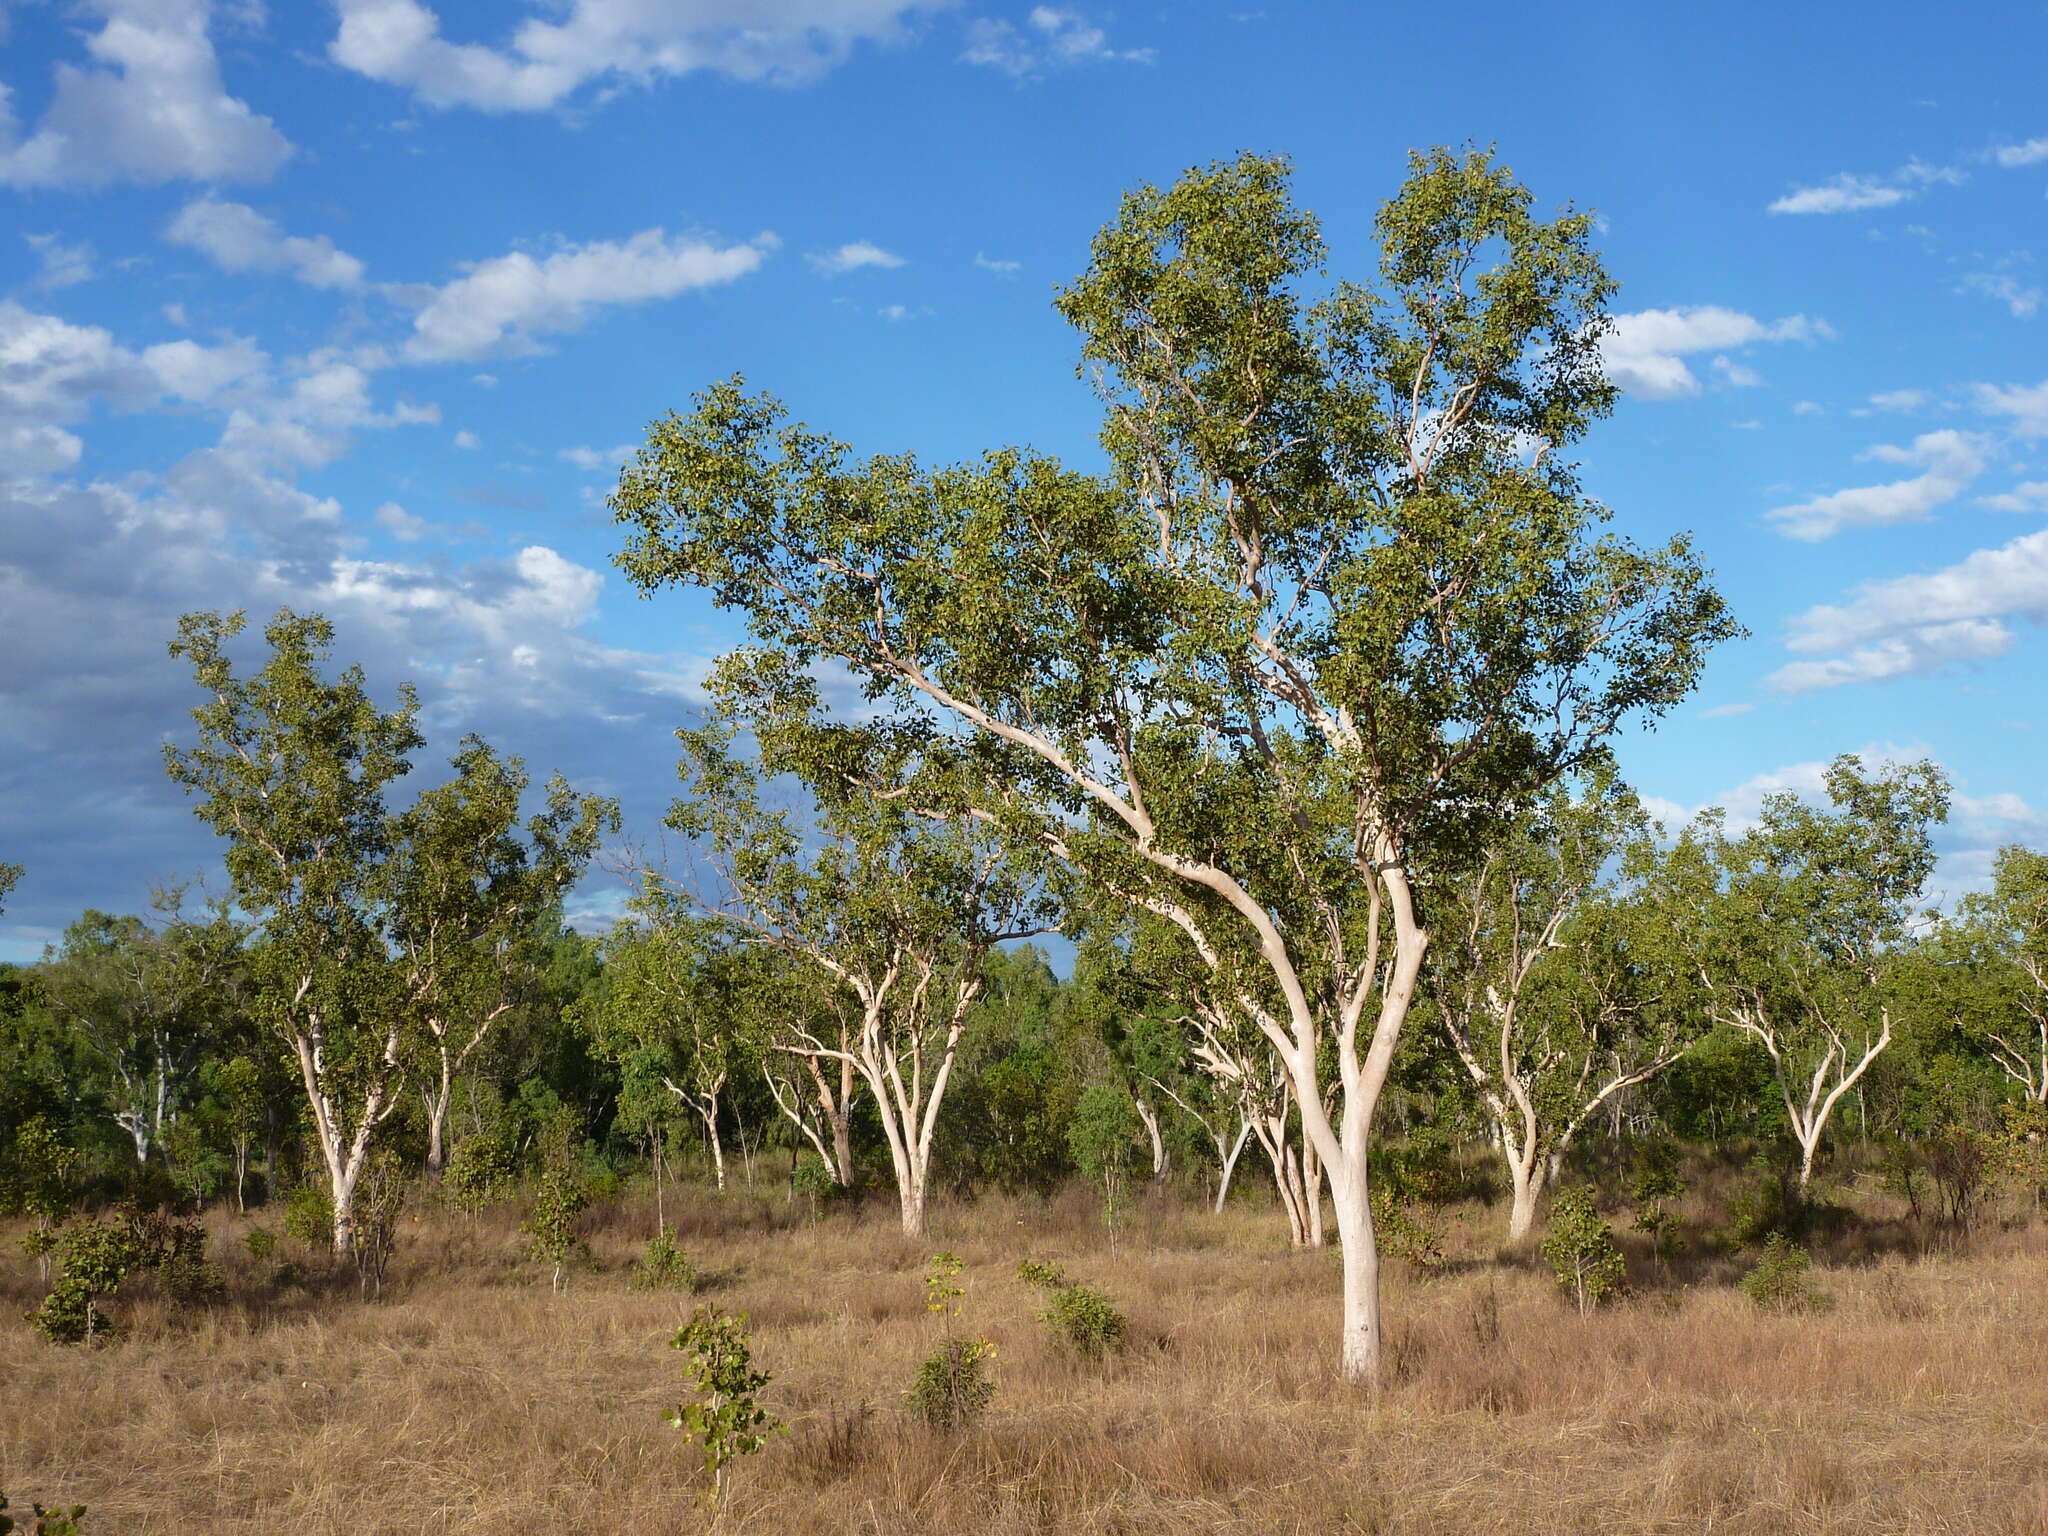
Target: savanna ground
column 472, row 1398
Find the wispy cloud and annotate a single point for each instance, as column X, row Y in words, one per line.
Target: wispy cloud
column 1951, row 459
column 852, row 256
column 1050, row 38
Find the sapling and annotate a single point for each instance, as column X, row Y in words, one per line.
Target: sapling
column 552, row 1224
column 1079, row 1315
column 726, row 1420
column 1581, row 1251
column 62, row 1520
column 942, row 1290
column 953, row 1388
column 1780, row 1283
column 665, row 1267
column 1655, row 1180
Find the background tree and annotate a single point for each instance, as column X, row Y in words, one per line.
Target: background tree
column 10, row 877
column 466, row 893
column 1551, row 977
column 1797, row 925
column 1998, row 955
column 895, row 904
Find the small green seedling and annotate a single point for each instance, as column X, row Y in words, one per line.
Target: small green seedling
column 1581, row 1250
column 942, row 1290
column 727, row 1420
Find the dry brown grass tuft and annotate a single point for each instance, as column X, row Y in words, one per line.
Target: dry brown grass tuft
column 471, row 1399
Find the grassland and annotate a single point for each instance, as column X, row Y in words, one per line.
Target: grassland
column 472, row 1399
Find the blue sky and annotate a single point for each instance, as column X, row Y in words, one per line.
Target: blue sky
column 355, row 307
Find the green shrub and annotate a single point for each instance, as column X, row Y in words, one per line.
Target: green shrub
column 953, row 1387
column 309, row 1216
column 1048, row 1277
column 1401, row 1234
column 483, row 1168
column 97, row 1256
column 664, row 1267
column 1780, row 1282
column 1085, row 1319
column 61, row 1521
column 812, row 1178
column 1581, row 1251
column 261, row 1243
column 1654, row 1180
column 942, row 1291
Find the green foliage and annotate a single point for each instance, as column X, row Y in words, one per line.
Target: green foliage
column 812, row 1178
column 726, row 1420
column 1780, row 1282
column 261, row 1243
column 552, row 1223
column 2022, row 1148
column 942, row 1290
column 664, row 1267
column 1580, row 1250
column 1769, row 1204
column 1103, row 1138
column 61, row 1520
column 1401, row 1234
column 1049, row 1277
column 482, row 1168
column 1963, row 1164
column 309, row 1215
column 1653, row 1180
column 1085, row 1319
column 96, row 1257
column 953, row 1386
column 382, row 1189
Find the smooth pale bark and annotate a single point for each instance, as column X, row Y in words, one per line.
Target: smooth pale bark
column 832, row 1103
column 1809, row 1097
column 439, row 1092
column 345, row 1149
column 1229, row 1145
column 1149, row 1118
column 703, row 1102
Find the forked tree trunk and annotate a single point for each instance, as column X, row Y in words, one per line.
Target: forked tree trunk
column 1149, row 1118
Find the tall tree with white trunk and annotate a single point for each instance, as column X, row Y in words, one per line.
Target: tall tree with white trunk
column 1553, row 979
column 1337, row 599
column 1998, row 953
column 1795, row 926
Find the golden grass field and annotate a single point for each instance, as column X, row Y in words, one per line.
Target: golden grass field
column 472, row 1399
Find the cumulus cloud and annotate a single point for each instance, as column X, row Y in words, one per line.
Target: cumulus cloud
column 1907, row 625
column 1645, row 352
column 151, row 108
column 596, row 41
column 1951, row 461
column 501, row 304
column 239, row 239
column 1051, row 38
column 852, row 256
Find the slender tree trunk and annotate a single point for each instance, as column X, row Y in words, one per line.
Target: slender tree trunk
column 842, row 1145
column 1229, row 1161
column 437, row 1100
column 1150, row 1120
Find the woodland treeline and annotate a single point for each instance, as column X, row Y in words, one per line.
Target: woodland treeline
column 1296, row 723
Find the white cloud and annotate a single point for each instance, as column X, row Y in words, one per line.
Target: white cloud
column 2028, row 496
column 62, row 266
column 239, row 239
column 401, row 524
column 1736, row 375
column 500, row 304
column 1914, row 624
column 151, row 108
column 1724, row 711
column 1000, row 267
column 2013, row 156
column 1049, row 39
column 466, row 439
column 628, row 42
column 852, row 256
column 1951, row 459
column 1900, row 399
column 1645, row 352
column 606, row 459
column 188, row 371
column 2023, row 300
column 2026, row 404
column 1808, row 408
column 1844, row 194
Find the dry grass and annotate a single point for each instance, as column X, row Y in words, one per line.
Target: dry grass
column 472, row 1399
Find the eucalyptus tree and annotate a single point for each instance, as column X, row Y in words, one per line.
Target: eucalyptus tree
column 1798, row 926
column 818, row 1094
column 359, row 914
column 2004, row 933
column 1337, row 601
column 10, row 877
column 148, row 1003
column 669, row 1012
column 1554, row 979
column 466, row 892
column 892, row 900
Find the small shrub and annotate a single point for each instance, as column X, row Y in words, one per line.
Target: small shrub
column 812, row 1178
column 726, row 1420
column 2021, row 1147
column 60, row 1521
column 97, row 1256
column 1401, row 1234
column 953, row 1388
column 1581, row 1251
column 1771, row 1204
column 552, row 1224
column 1047, row 1277
column 1962, row 1165
column 261, row 1243
column 1085, row 1319
column 664, row 1267
column 309, row 1216
column 1780, row 1282
column 380, row 1197
column 176, row 1250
